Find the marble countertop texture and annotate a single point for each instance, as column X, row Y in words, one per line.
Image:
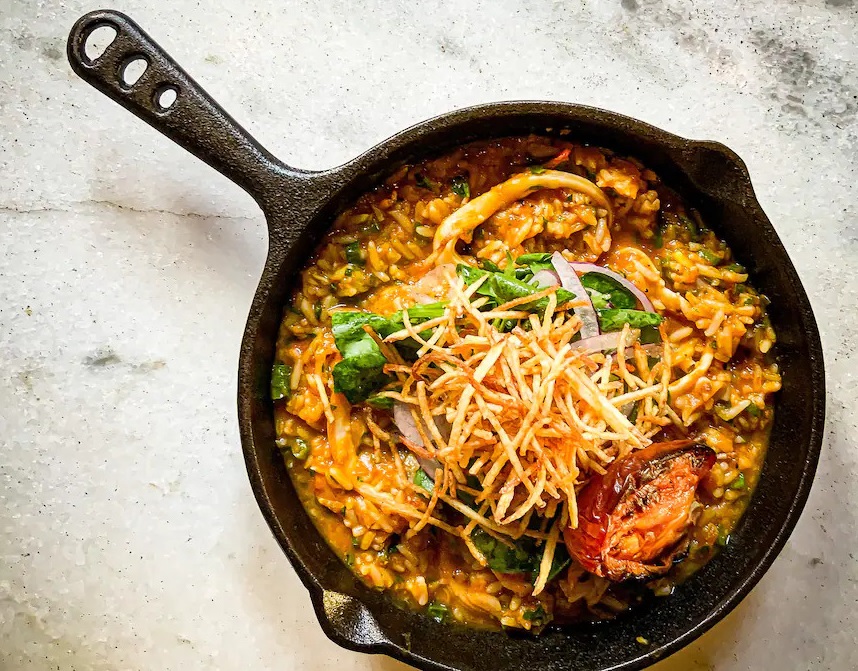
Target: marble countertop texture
column 129, row 537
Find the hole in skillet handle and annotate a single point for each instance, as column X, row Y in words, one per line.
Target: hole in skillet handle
column 133, row 69
column 96, row 42
column 165, row 97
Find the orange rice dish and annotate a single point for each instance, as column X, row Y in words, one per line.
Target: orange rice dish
column 524, row 383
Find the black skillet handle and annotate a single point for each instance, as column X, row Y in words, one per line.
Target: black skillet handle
column 193, row 120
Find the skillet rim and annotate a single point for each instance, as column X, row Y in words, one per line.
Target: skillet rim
column 330, row 182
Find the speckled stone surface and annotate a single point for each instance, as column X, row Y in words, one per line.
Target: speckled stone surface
column 129, row 538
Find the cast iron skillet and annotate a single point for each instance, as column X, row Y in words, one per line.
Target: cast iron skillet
column 299, row 206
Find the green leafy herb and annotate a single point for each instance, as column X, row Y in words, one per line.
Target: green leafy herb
column 658, row 238
column 380, row 402
column 736, row 268
column 423, row 182
column 691, row 226
column 709, row 256
column 280, row 376
column 437, row 611
column 535, row 614
column 353, row 254
column 753, row 410
column 491, row 266
column 537, row 169
column 739, row 482
column 422, row 480
column 460, row 186
column 723, row 537
column 300, row 448
column 615, row 319
column 617, row 294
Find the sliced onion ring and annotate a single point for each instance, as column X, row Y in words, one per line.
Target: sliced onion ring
column 404, row 421
column 546, row 278
column 598, row 343
column 593, row 268
column 569, row 281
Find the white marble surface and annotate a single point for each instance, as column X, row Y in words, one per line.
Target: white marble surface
column 129, row 538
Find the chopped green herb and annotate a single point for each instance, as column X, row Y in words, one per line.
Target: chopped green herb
column 736, row 268
column 739, row 482
column 423, row 182
column 723, row 537
column 460, row 186
column 281, row 373
column 353, row 253
column 537, row 169
column 753, row 410
column 422, row 480
column 300, row 448
column 691, row 226
column 437, row 611
column 658, row 238
column 349, row 559
column 534, row 614
column 709, row 256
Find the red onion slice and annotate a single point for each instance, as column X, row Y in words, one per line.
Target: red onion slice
column 546, row 278
column 404, row 421
column 593, row 268
column 569, row 281
column 598, row 343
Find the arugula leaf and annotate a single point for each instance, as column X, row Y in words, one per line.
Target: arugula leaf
column 280, row 375
column 535, row 262
column 618, row 295
column 361, row 371
column 614, row 319
column 522, row 557
column 460, row 186
column 501, row 557
column 649, row 335
column 380, row 402
column 509, row 288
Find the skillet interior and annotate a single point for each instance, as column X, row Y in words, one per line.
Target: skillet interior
column 711, row 178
